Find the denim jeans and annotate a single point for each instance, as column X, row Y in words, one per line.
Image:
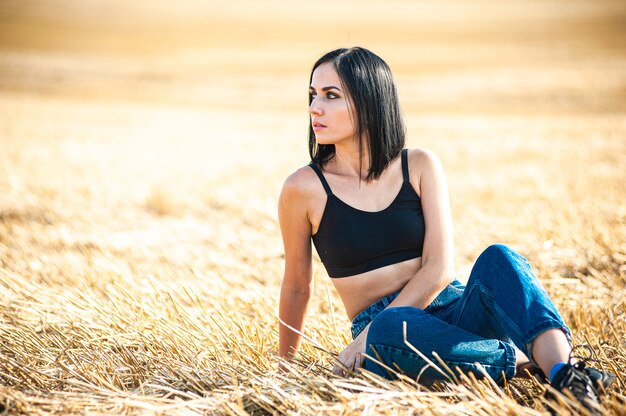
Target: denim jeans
column 502, row 307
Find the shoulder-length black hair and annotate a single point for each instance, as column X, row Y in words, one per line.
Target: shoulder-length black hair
column 370, row 84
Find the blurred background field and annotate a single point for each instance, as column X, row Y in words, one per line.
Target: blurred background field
column 143, row 146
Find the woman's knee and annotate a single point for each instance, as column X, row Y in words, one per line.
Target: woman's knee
column 388, row 326
column 499, row 256
column 383, row 324
column 501, row 266
column 497, row 252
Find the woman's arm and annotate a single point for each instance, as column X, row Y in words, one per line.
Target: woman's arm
column 438, row 250
column 437, row 254
column 297, row 285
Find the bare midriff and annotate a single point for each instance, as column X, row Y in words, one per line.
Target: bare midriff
column 360, row 291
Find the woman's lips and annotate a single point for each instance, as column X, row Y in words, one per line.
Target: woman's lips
column 318, row 126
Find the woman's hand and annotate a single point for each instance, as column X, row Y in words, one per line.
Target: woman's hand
column 353, row 356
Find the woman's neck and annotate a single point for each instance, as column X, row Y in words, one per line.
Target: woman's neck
column 346, row 160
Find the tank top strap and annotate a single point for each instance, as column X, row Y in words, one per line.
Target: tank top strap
column 405, row 165
column 322, row 178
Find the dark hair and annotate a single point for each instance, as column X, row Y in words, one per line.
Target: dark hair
column 370, row 84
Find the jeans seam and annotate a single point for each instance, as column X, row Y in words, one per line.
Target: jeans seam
column 511, row 361
column 488, row 293
column 510, row 321
column 460, row 314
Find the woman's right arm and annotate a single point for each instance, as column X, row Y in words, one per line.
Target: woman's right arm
column 297, row 285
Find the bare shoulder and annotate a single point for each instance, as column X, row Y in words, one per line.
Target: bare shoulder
column 422, row 161
column 301, row 189
column 301, row 184
column 299, row 204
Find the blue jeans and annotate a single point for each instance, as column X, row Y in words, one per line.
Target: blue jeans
column 502, row 307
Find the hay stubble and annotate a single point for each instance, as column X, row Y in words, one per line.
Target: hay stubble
column 140, row 257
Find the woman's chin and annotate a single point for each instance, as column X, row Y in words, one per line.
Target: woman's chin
column 320, row 140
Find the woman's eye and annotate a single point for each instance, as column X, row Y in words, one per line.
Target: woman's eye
column 330, row 96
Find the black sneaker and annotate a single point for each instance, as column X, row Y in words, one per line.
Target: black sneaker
column 573, row 381
column 602, row 380
column 585, row 384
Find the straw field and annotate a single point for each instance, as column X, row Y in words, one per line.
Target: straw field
column 143, row 146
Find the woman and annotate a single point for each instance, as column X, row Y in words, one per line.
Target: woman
column 379, row 217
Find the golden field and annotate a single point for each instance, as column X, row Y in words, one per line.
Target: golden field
column 143, row 147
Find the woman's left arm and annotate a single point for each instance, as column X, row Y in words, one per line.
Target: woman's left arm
column 437, row 253
column 438, row 250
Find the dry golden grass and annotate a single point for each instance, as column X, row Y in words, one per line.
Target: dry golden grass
column 143, row 147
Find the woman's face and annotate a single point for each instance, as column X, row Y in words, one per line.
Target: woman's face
column 332, row 113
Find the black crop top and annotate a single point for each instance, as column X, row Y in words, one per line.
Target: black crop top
column 350, row 241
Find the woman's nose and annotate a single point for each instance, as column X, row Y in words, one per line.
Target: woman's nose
column 314, row 108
